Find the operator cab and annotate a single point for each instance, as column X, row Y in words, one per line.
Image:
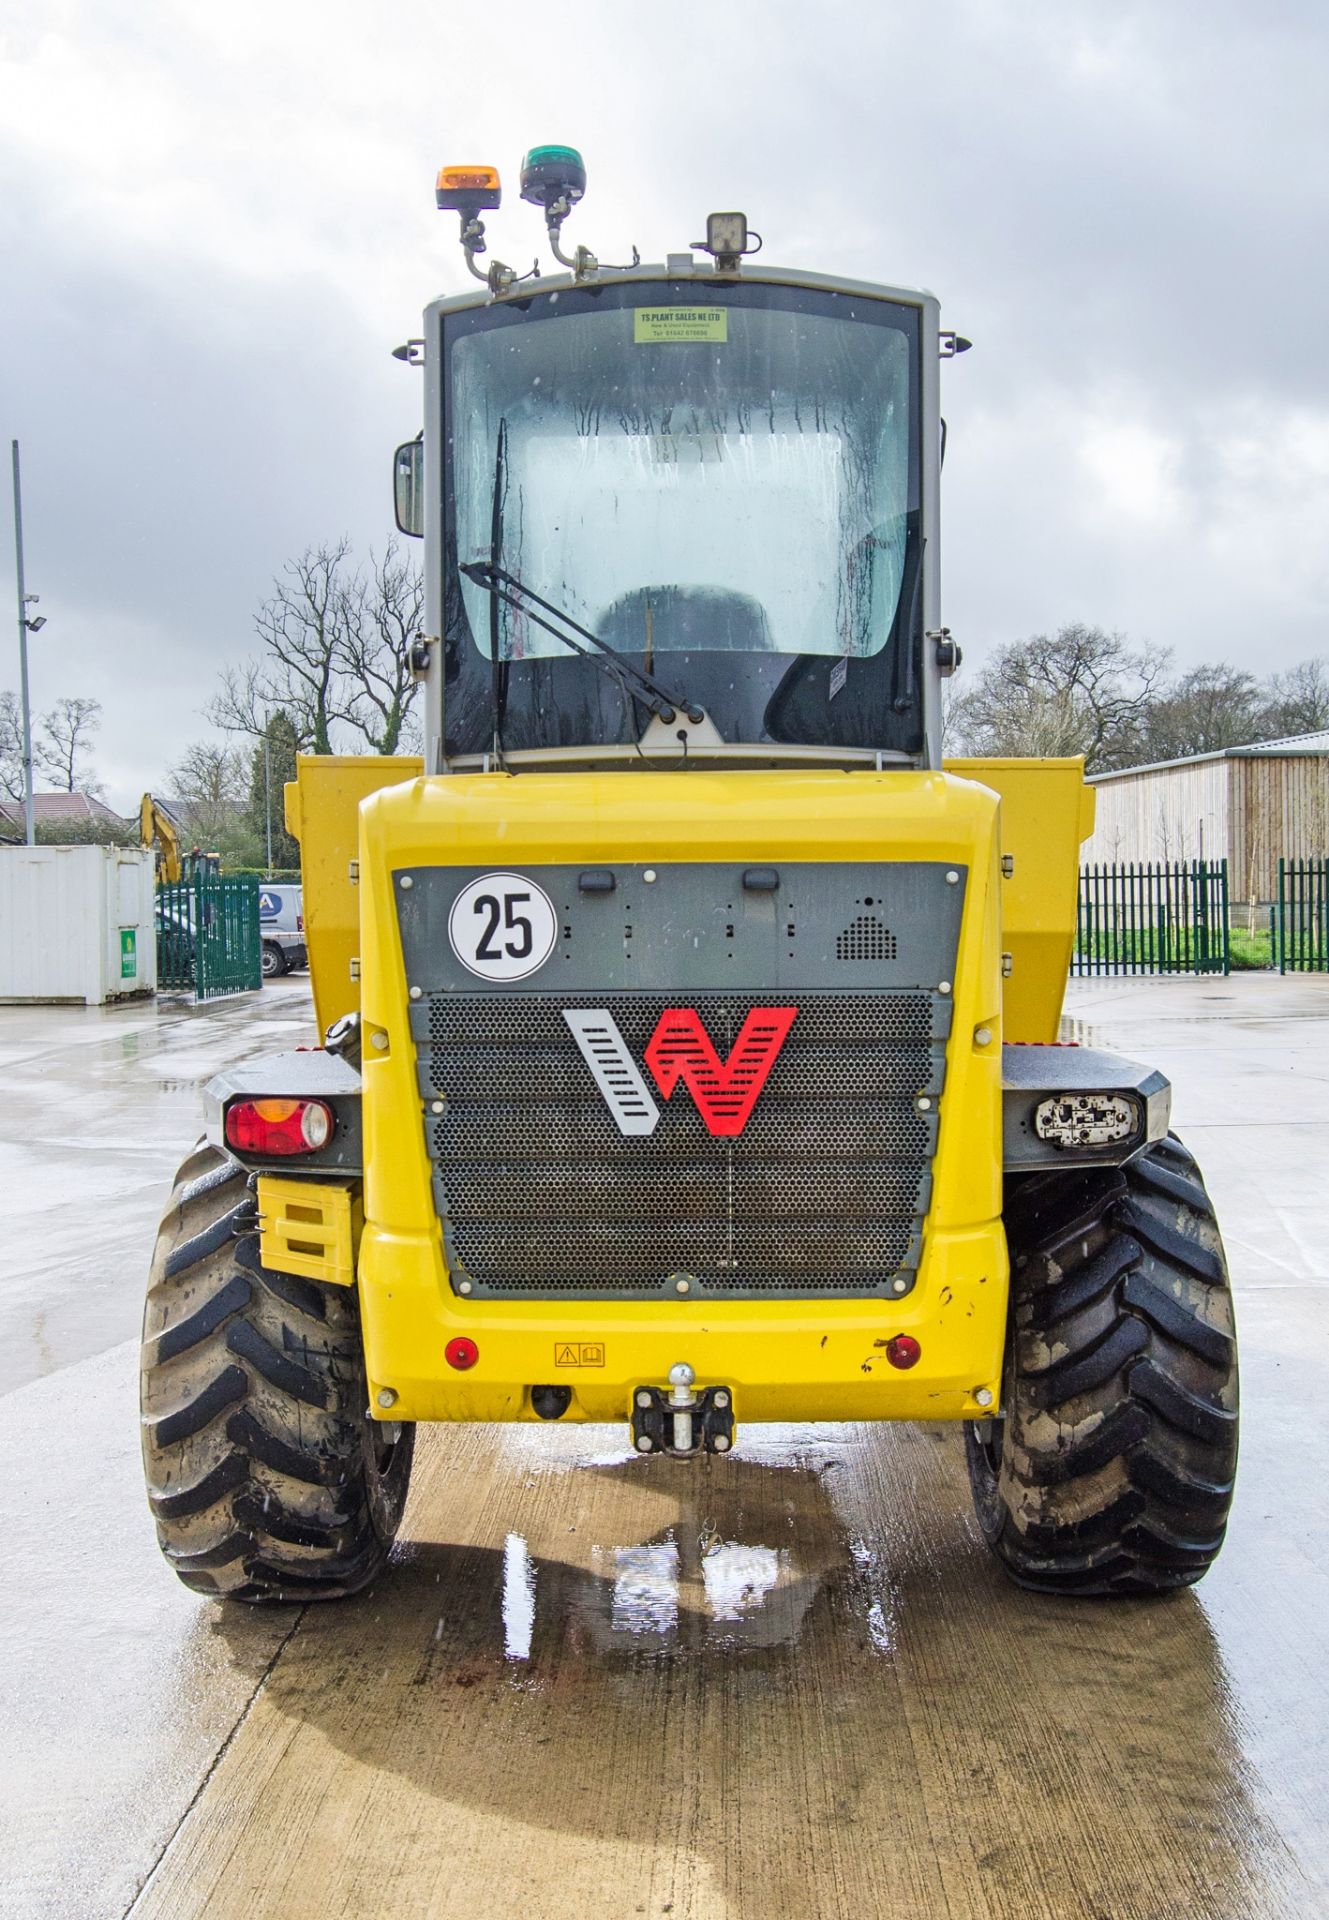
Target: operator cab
column 674, row 512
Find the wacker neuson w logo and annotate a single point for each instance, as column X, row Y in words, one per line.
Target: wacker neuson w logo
column 725, row 1091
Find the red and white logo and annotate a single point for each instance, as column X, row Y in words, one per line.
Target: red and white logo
column 680, row 1049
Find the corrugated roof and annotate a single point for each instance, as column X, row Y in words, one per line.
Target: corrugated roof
column 1291, row 744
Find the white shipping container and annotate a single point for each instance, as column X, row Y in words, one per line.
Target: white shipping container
column 77, row 924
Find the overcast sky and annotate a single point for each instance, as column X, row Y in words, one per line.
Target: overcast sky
column 217, row 221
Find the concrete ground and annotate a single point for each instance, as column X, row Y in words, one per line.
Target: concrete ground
column 791, row 1683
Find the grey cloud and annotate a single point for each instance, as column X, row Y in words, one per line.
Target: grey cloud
column 1123, row 207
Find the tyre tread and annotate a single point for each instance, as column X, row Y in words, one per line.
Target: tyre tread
column 1119, row 1452
column 261, row 1476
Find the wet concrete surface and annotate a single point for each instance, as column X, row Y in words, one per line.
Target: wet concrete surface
column 792, row 1682
column 100, row 1105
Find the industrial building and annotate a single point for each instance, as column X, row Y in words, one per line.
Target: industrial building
column 1251, row 806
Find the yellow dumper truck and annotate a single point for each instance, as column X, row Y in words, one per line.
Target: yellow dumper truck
column 689, row 1028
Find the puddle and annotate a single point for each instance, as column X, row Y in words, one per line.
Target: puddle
column 737, row 1579
column 737, row 1561
column 645, row 1589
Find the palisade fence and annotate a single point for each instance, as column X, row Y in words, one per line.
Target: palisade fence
column 1301, row 918
column 208, row 935
column 1152, row 917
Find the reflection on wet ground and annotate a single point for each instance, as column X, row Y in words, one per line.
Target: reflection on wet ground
column 790, row 1682
column 793, row 1683
column 101, row 1105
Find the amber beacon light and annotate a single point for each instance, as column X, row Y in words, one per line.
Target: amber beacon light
column 468, row 190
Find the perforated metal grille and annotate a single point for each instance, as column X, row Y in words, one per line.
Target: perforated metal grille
column 823, row 1192
column 868, row 1019
column 866, row 938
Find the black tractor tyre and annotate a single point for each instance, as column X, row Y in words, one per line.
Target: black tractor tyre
column 266, row 1476
column 274, row 960
column 1110, row 1469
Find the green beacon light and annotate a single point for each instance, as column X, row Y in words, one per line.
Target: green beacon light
column 555, row 178
column 553, row 174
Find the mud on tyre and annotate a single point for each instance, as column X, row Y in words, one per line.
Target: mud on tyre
column 266, row 1477
column 1112, row 1468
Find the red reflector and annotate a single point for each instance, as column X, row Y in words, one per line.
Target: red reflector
column 903, row 1350
column 461, row 1354
column 278, row 1126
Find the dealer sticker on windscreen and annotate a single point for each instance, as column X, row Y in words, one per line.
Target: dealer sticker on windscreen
column 653, row 325
column 502, row 926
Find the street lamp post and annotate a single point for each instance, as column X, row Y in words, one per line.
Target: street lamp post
column 26, row 625
column 267, row 784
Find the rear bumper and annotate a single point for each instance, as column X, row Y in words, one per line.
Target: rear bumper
column 798, row 1360
column 294, row 952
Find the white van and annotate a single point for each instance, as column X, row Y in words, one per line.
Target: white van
column 281, row 925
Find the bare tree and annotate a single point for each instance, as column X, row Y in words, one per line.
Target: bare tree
column 383, row 615
column 1210, row 708
column 335, row 645
column 11, row 747
column 1297, row 701
column 297, row 669
column 64, row 739
column 1080, row 691
column 210, row 785
column 239, row 705
column 1217, row 706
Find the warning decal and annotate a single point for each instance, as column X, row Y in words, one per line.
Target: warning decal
column 579, row 1353
column 653, row 325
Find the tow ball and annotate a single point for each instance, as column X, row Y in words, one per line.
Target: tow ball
column 680, row 1421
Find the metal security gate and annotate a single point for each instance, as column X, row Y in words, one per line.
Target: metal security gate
column 1301, row 925
column 1152, row 917
column 207, row 935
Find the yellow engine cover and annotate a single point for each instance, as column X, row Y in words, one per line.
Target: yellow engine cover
column 783, row 1358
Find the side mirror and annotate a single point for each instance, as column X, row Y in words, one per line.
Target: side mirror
column 408, row 481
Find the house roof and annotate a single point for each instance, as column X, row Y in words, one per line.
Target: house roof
column 50, row 807
column 1291, row 745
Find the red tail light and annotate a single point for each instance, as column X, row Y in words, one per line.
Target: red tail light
column 278, row 1126
column 903, row 1350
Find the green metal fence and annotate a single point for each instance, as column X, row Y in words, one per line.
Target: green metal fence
column 1301, row 918
column 1152, row 917
column 207, row 935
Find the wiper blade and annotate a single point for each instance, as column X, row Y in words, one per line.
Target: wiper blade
column 515, row 593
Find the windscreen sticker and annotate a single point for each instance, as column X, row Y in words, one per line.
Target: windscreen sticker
column 656, row 325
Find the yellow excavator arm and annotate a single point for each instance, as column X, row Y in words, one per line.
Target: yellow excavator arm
column 157, row 829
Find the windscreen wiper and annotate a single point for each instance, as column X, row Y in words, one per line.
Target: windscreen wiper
column 507, row 587
column 902, row 662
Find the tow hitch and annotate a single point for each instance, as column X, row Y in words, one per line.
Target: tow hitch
column 680, row 1421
